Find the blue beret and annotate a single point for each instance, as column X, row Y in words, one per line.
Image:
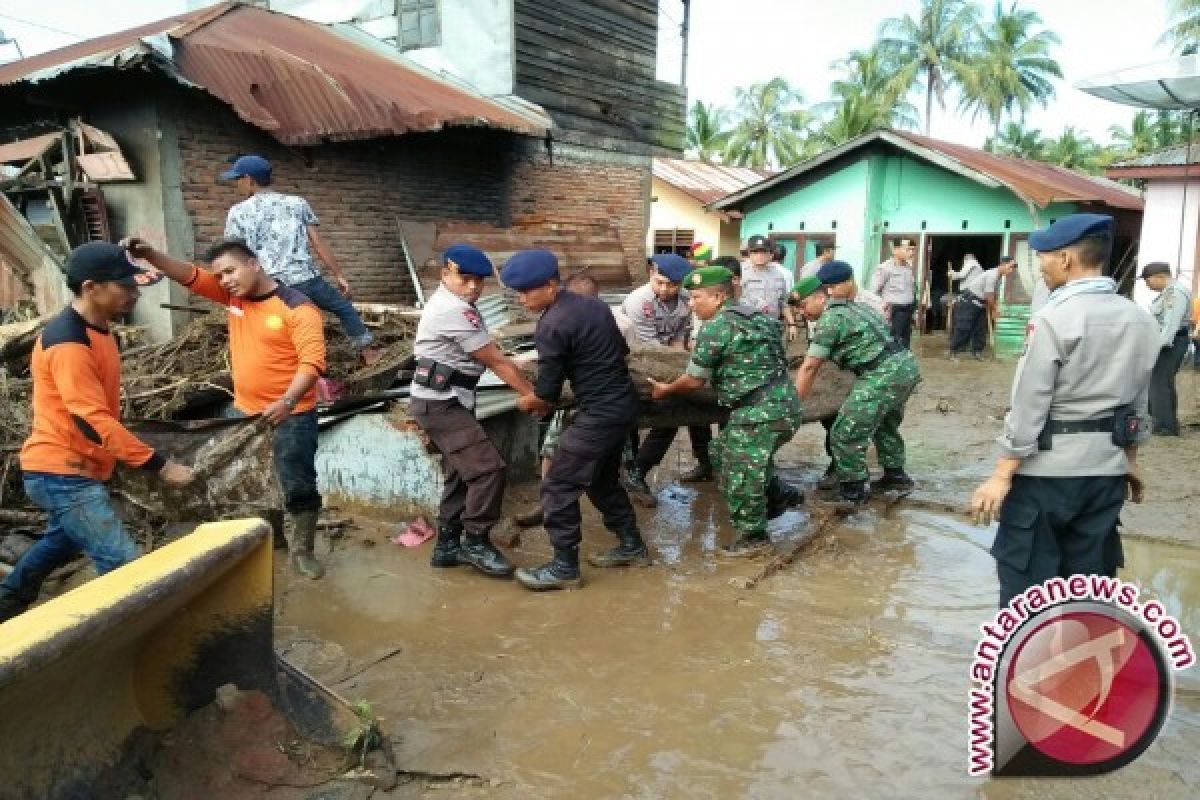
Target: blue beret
column 1069, row 230
column 469, row 259
column 834, row 272
column 529, row 269
column 671, row 266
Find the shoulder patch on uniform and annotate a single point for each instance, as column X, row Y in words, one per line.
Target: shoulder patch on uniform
column 66, row 328
column 292, row 298
column 473, row 318
column 648, row 309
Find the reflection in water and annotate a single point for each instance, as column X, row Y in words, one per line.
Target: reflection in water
column 842, row 676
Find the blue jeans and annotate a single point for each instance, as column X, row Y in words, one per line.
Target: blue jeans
column 81, row 518
column 294, row 447
column 327, row 298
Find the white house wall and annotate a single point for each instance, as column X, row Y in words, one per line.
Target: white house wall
column 1162, row 234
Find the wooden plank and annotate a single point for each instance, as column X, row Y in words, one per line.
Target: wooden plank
column 578, row 46
column 613, row 83
column 581, row 114
column 587, row 33
column 604, row 17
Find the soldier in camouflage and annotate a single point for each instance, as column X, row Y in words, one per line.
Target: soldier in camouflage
column 857, row 339
column 740, row 352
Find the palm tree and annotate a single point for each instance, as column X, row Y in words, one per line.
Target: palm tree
column 866, row 97
column 1016, row 140
column 1012, row 68
column 707, row 132
column 1074, row 151
column 1138, row 140
column 1185, row 24
column 933, row 48
column 771, row 126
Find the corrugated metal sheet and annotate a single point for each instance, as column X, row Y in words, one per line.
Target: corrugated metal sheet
column 301, row 82
column 23, row 150
column 1167, row 157
column 705, row 182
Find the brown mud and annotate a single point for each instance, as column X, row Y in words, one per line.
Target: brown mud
column 843, row 675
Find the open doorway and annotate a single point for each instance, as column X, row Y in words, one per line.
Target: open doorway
column 946, row 251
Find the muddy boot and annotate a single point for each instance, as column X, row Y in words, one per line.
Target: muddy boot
column 828, row 480
column 304, row 534
column 447, row 551
column 853, row 495
column 629, row 552
column 478, row 551
column 561, row 572
column 700, row 473
column 12, row 604
column 780, row 497
column 634, row 481
column 894, row 480
column 747, row 545
column 529, row 518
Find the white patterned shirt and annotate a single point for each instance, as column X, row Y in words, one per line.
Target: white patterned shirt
column 275, row 227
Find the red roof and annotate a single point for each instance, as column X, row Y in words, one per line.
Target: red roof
column 705, row 182
column 302, row 82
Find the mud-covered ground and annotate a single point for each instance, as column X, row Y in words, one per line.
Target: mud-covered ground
column 844, row 675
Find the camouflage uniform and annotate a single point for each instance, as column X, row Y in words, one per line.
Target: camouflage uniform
column 740, row 353
column 856, row 338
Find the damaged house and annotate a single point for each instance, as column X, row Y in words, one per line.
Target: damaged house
column 396, row 158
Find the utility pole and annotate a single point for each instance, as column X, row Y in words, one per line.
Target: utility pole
column 684, row 29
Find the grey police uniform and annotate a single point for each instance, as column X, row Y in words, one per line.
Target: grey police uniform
column 1086, row 364
column 450, row 330
column 1172, row 310
column 897, row 285
column 657, row 323
column 764, row 290
column 970, row 309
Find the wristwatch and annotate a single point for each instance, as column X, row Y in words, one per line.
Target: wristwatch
column 290, row 402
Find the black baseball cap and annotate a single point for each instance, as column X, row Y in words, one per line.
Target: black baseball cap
column 103, row 263
column 758, row 242
column 1156, row 268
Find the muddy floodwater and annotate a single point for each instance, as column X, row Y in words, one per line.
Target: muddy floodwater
column 844, row 675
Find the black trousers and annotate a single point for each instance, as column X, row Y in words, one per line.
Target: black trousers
column 1164, row 402
column 970, row 327
column 472, row 468
column 901, row 322
column 588, row 460
column 1058, row 527
column 657, row 442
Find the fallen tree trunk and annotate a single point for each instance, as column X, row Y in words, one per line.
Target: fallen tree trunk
column 700, row 408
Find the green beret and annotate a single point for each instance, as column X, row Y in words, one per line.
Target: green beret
column 806, row 286
column 707, row 276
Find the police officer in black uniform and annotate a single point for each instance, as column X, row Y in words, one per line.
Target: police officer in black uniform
column 578, row 341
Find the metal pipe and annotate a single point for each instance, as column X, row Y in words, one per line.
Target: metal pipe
column 684, row 30
column 1187, row 164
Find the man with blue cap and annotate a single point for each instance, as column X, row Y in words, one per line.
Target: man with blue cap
column 453, row 348
column 856, row 338
column 1068, row 453
column 1171, row 309
column 662, row 314
column 578, row 340
column 281, row 229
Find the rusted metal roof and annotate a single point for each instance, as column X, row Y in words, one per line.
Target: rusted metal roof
column 302, row 82
column 1034, row 182
column 705, row 182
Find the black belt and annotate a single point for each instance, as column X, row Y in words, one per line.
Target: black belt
column 890, row 349
column 755, row 395
column 1056, row 427
column 971, row 297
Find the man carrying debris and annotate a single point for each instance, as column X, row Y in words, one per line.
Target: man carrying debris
column 855, row 338
column 77, row 437
column 765, row 287
column 976, row 301
column 578, row 341
column 1171, row 309
column 740, row 352
column 662, row 315
column 1070, row 440
column 453, row 349
column 276, row 353
column 282, row 230
column 896, row 283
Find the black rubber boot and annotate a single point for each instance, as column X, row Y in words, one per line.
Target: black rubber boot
column 634, row 481
column 12, row 604
column 853, row 495
column 781, row 496
column 629, row 552
column 894, row 480
column 747, row 545
column 829, row 479
column 530, row 517
column 477, row 550
column 561, row 572
column 447, row 551
column 700, row 473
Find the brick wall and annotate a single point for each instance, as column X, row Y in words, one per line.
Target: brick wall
column 359, row 189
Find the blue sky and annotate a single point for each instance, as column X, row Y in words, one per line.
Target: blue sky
column 738, row 42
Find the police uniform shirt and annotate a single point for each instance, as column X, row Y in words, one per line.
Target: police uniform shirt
column 764, row 290
column 870, row 300
column 654, row 320
column 970, row 277
column 450, row 329
column 1171, row 309
column 1086, row 354
column 896, row 284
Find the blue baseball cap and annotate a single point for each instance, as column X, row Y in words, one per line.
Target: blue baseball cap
column 529, row 269
column 672, row 267
column 469, row 259
column 834, row 272
column 255, row 167
column 1069, row 230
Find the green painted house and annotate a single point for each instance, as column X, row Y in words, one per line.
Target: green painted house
column 949, row 199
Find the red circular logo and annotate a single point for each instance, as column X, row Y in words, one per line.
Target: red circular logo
column 1085, row 689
